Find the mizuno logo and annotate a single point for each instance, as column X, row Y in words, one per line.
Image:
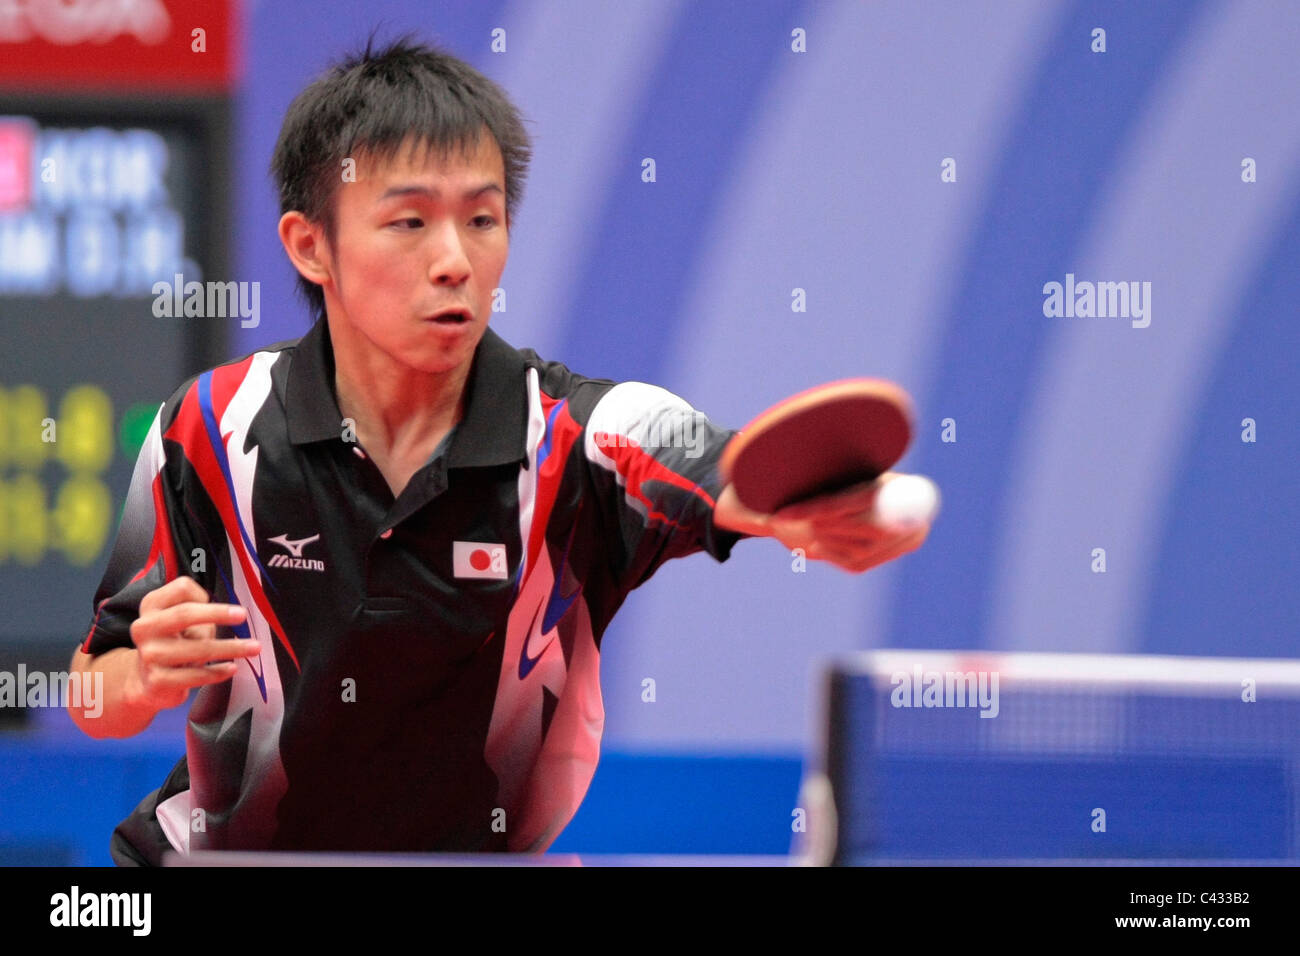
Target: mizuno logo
column 295, row 559
column 302, row 564
column 294, row 547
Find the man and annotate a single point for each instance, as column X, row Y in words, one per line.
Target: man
column 385, row 553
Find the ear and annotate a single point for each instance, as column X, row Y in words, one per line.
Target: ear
column 304, row 242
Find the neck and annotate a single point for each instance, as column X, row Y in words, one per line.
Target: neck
column 396, row 408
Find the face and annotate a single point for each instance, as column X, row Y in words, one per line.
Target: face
column 415, row 237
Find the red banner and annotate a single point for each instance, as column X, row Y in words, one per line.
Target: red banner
column 183, row 46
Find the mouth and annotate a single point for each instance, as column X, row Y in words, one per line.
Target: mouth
column 451, row 317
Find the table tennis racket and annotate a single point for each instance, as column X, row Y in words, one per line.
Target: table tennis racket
column 818, row 441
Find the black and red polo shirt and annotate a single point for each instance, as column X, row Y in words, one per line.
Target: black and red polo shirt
column 429, row 672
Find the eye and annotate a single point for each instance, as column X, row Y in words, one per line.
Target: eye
column 413, row 222
column 485, row 221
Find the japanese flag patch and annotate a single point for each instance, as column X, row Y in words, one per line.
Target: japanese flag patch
column 477, row 559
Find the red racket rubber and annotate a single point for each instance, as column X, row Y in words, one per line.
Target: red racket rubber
column 818, row 441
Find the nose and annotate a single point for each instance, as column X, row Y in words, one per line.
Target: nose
column 450, row 263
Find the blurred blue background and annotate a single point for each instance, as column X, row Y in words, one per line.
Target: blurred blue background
column 824, row 171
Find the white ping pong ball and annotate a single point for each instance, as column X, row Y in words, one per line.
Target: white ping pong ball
column 905, row 502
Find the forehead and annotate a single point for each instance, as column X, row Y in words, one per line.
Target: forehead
column 422, row 161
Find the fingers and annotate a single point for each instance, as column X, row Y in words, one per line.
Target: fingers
column 846, row 519
column 177, row 645
column 730, row 514
column 170, row 667
column 844, row 533
column 173, row 592
column 857, row 534
column 178, row 654
column 176, row 681
column 906, row 545
column 856, row 499
column 169, row 687
column 171, row 621
column 857, row 558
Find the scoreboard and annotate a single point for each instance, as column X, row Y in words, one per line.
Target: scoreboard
column 107, row 186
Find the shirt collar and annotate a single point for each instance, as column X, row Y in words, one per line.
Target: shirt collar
column 493, row 431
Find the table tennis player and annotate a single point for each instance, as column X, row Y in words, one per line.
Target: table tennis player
column 384, row 554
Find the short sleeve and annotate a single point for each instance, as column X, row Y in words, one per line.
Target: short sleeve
column 654, row 464
column 146, row 553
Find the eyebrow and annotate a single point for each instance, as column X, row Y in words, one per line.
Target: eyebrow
column 414, row 190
